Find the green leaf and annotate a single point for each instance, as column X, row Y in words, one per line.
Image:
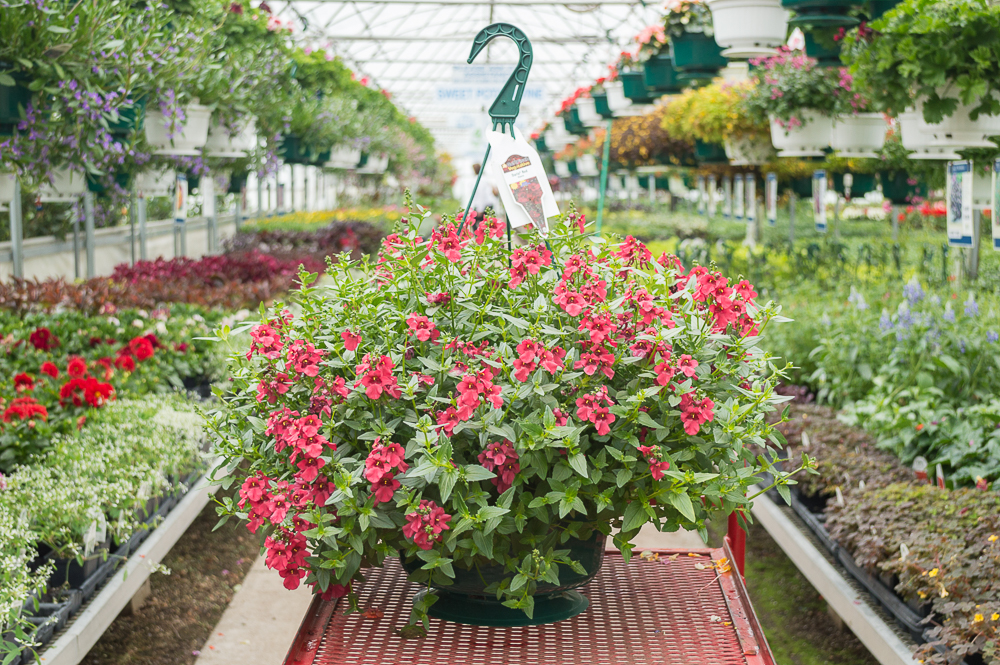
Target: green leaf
column 579, row 463
column 58, row 29
column 474, row 472
column 7, row 80
column 624, row 475
column 484, row 542
column 635, row 516
column 446, row 483
column 682, row 502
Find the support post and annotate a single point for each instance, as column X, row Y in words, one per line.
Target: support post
column 791, row 218
column 651, row 183
column 260, row 196
column 211, row 214
column 604, row 177
column 737, row 541
column 305, row 188
column 17, row 231
column 133, row 204
column 88, row 230
column 894, row 214
column 291, row 187
column 972, row 253
column 836, row 219
column 76, row 240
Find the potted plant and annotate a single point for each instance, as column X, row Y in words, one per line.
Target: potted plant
column 822, row 12
column 489, row 450
column 799, row 98
column 688, row 25
column 858, row 132
column 748, row 28
column 657, row 65
column 641, row 140
column 600, row 96
column 958, row 98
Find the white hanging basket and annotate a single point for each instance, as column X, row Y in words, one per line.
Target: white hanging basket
column 344, row 158
column 588, row 112
column 557, row 137
column 375, row 164
column 860, row 135
column 221, row 144
column 959, row 131
column 748, row 28
column 67, row 186
column 808, row 140
column 619, row 104
column 749, row 150
column 188, row 140
column 7, row 187
column 562, row 169
column 586, row 165
column 918, row 140
column 157, row 183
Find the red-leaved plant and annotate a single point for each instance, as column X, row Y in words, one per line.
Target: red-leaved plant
column 468, row 404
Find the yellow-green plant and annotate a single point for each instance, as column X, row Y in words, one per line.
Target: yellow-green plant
column 713, row 114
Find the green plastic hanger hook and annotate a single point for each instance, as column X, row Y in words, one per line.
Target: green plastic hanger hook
column 508, row 103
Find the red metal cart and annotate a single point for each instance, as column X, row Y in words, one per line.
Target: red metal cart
column 677, row 607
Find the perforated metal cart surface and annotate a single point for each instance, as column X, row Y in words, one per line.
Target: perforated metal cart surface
column 676, row 609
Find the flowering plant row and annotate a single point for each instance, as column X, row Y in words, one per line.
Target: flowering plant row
column 466, row 404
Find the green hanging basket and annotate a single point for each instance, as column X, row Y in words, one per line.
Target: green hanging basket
column 634, row 87
column 130, row 119
column 826, row 56
column 697, row 56
column 294, row 151
column 467, row 602
column 896, row 187
column 194, row 181
column 662, row 183
column 13, row 99
column 876, row 8
column 97, row 184
column 863, row 183
column 573, row 168
column 571, row 120
column 803, row 187
column 828, row 13
column 710, row 153
column 659, row 74
column 601, row 105
column 237, row 181
column 540, row 144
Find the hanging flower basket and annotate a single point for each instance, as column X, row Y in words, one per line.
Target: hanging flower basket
column 7, row 187
column 343, row 158
column 237, row 181
column 13, row 100
column 879, row 7
column 918, row 139
column 294, row 150
column 826, row 13
column 601, row 104
column 749, row 150
column 859, row 135
column 659, row 75
column 97, row 184
column 221, row 144
column 540, row 145
column 697, row 56
column 861, row 184
column 748, row 28
column 959, row 131
column 634, row 87
column 375, row 164
column 709, row 153
column 587, row 112
column 827, row 56
column 130, row 119
column 586, row 165
column 185, row 138
column 900, row 187
column 571, row 121
column 803, row 187
column 157, row 183
column 562, row 169
column 66, row 186
column 810, row 139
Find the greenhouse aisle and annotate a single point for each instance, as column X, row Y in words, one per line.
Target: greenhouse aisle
column 262, row 620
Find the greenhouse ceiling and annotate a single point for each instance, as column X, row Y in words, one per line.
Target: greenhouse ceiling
column 417, row 50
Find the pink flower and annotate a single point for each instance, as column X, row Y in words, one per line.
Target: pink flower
column 351, row 340
column 266, row 342
column 304, row 358
column 602, row 419
column 687, row 365
column 384, row 488
column 501, row 458
column 422, row 328
column 425, row 524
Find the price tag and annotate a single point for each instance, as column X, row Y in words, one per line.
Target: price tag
column 181, row 199
column 819, row 200
column 712, row 199
column 958, row 202
column 524, row 187
column 771, row 197
column 738, row 195
column 751, row 191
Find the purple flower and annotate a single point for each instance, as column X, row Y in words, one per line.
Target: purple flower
column 992, row 336
column 971, row 307
column 913, row 291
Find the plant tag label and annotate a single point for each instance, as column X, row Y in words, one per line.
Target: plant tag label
column 771, row 198
column 727, row 198
column 525, row 192
column 713, row 188
column 994, row 209
column 805, row 439
column 738, row 199
column 701, row 195
column 819, row 200
column 840, row 497
column 958, row 203
column 181, row 199
column 750, row 188
column 939, row 472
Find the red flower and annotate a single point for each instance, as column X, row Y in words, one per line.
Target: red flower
column 43, row 339
column 50, row 369
column 304, row 357
column 24, row 381
column 377, row 379
column 25, row 408
column 125, row 363
column 76, row 367
column 694, row 413
column 425, row 524
column 351, row 340
column 86, row 390
column 266, row 341
column 384, row 488
column 422, row 328
column 142, row 348
column 501, row 458
column 687, row 365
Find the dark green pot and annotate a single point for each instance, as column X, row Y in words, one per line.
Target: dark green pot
column 236, row 183
column 96, row 185
column 863, row 183
column 540, row 144
column 829, row 13
column 697, row 56
column 663, row 183
column 825, row 56
column 803, row 187
column 573, row 168
column 709, row 153
column 131, row 119
column 659, row 74
column 876, row 8
column 363, row 160
column 634, row 87
column 571, row 120
column 294, row 151
column 466, row 601
column 601, row 105
column 896, row 188
column 12, row 101
column 194, row 181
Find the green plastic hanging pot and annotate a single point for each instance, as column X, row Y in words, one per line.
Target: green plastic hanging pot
column 540, row 144
column 897, row 187
column 662, row 183
column 573, row 168
column 467, row 602
column 828, row 13
column 571, row 120
column 294, row 151
column 363, row 161
column 130, row 119
column 96, row 184
column 194, row 181
column 13, row 99
column 659, row 74
column 709, row 153
column 697, row 56
column 826, row 57
column 803, row 187
column 634, row 87
column 876, row 8
column 237, row 181
column 601, row 105
column 862, row 184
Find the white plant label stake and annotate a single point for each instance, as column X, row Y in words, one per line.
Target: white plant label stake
column 712, row 199
column 819, row 200
column 738, row 195
column 958, row 203
column 751, row 191
column 771, row 196
column 994, row 209
column 181, row 199
column 526, row 195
